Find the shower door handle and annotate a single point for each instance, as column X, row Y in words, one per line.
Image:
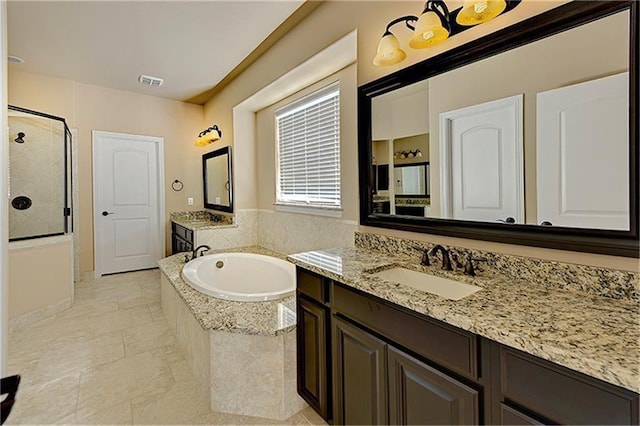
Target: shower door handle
column 106, row 213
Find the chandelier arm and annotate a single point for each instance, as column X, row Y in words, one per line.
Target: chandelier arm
column 408, row 19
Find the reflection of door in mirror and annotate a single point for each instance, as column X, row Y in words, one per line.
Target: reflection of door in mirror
column 481, row 168
column 586, row 180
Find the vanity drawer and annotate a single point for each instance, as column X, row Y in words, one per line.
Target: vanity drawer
column 182, row 232
column 313, row 285
column 562, row 395
column 450, row 347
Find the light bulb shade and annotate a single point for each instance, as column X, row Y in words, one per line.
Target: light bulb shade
column 389, row 52
column 429, row 31
column 210, row 135
column 478, row 11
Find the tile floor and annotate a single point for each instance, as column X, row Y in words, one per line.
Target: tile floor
column 112, row 359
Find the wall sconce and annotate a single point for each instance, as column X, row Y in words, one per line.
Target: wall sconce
column 436, row 24
column 210, row 135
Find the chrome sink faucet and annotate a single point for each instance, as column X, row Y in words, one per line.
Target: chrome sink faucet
column 446, row 259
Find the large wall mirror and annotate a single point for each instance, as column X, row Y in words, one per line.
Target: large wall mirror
column 529, row 135
column 216, row 172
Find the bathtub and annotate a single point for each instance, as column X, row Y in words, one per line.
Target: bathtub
column 244, row 277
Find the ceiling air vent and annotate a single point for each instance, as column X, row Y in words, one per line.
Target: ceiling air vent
column 150, row 81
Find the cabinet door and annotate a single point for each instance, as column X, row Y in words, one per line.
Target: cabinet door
column 360, row 376
column 312, row 355
column 511, row 416
column 420, row 394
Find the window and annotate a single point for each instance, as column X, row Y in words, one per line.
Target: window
column 308, row 150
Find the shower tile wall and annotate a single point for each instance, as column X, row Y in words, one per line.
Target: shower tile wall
column 36, row 170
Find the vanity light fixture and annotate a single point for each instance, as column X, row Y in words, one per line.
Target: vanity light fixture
column 436, row 24
column 475, row 12
column 210, row 135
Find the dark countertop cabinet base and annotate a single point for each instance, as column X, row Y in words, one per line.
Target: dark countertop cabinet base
column 364, row 360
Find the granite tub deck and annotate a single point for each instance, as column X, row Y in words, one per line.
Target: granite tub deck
column 200, row 220
column 242, row 354
column 594, row 335
column 263, row 319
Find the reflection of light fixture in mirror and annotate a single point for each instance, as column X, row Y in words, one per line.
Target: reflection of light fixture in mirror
column 478, row 11
column 407, row 154
column 436, row 24
column 210, row 135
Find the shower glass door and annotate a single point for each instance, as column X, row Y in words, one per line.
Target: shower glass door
column 39, row 175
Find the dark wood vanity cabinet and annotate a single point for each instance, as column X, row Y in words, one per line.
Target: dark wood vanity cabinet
column 313, row 346
column 360, row 376
column 378, row 381
column 363, row 360
column 422, row 395
column 537, row 391
column 181, row 238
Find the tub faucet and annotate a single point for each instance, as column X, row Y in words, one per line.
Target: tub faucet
column 199, row 249
column 446, row 260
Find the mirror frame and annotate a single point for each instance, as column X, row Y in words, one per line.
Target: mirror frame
column 217, row 153
column 426, row 179
column 559, row 19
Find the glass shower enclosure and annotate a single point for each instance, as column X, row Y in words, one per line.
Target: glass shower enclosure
column 39, row 175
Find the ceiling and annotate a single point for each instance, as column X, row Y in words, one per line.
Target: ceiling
column 192, row 45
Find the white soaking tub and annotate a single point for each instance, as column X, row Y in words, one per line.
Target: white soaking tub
column 243, row 277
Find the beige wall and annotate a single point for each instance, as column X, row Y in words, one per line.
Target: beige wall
column 592, row 51
column 266, row 143
column 38, row 288
column 88, row 108
column 325, row 25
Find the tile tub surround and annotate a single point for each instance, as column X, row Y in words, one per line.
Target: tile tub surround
column 547, row 274
column 202, row 219
column 241, row 353
column 594, row 335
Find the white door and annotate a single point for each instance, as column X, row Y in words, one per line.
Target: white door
column 481, row 162
column 128, row 202
column 583, row 154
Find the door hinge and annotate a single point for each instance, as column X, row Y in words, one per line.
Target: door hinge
column 67, row 211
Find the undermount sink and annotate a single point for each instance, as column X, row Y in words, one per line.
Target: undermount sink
column 444, row 287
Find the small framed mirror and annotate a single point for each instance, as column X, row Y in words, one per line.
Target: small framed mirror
column 217, row 182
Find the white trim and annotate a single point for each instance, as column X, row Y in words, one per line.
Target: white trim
column 516, row 104
column 4, row 226
column 311, row 210
column 159, row 141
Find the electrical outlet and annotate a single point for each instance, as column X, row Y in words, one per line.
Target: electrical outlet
column 190, row 201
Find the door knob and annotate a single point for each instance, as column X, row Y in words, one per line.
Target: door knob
column 106, row 213
column 507, row 220
column 546, row 223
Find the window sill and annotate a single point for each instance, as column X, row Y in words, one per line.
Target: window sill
column 312, row 210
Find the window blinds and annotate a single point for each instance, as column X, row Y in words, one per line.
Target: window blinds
column 308, row 135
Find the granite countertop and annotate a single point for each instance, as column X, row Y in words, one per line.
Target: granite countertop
column 268, row 318
column 200, row 220
column 594, row 335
